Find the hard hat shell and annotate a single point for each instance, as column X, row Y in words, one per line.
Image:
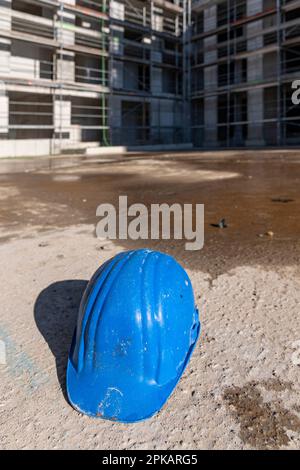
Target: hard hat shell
column 137, row 327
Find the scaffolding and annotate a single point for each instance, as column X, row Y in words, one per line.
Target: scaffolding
column 78, row 74
column 146, row 58
column 56, row 77
column 243, row 65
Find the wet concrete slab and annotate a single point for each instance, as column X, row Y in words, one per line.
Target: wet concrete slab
column 256, row 192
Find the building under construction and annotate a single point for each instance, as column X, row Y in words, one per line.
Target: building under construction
column 80, row 75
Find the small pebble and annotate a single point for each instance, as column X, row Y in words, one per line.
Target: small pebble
column 42, row 244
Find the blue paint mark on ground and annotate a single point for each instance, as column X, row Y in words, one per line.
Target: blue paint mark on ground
column 20, row 365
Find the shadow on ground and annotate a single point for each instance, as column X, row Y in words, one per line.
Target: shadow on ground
column 55, row 314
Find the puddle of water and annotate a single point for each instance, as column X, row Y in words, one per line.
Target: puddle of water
column 245, row 201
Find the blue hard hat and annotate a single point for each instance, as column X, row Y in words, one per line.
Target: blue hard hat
column 136, row 330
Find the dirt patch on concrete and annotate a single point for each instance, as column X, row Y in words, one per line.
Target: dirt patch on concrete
column 263, row 425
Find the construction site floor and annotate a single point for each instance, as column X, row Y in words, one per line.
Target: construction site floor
column 241, row 388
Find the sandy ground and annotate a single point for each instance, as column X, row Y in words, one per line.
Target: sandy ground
column 241, row 389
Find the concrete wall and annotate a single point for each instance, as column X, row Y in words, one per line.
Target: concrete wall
column 27, row 147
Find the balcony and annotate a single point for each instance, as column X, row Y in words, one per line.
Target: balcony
column 32, row 19
column 33, row 25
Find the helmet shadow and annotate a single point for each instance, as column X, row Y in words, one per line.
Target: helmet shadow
column 55, row 314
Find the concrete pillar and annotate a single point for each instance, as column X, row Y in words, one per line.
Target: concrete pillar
column 156, row 74
column 254, row 7
column 4, row 111
column 5, row 15
column 210, row 49
column 156, row 80
column 210, row 42
column 238, row 71
column 155, row 120
column 210, row 79
column 131, row 76
column 115, row 103
column 254, row 28
column 117, row 49
column 210, row 18
column 165, row 115
column 255, row 101
column 117, row 40
column 65, row 34
column 65, row 21
column 255, row 35
column 210, row 121
column 238, row 117
column 117, row 11
column 116, row 78
column 210, row 107
column 255, row 68
column 270, row 61
column 115, row 118
column 167, row 121
column 255, row 116
column 62, row 118
column 66, row 66
column 158, row 22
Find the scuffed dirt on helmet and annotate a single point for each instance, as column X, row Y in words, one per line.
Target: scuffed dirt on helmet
column 110, row 406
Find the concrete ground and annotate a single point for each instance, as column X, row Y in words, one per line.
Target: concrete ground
column 241, row 388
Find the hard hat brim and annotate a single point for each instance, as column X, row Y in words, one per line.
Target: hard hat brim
column 100, row 400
